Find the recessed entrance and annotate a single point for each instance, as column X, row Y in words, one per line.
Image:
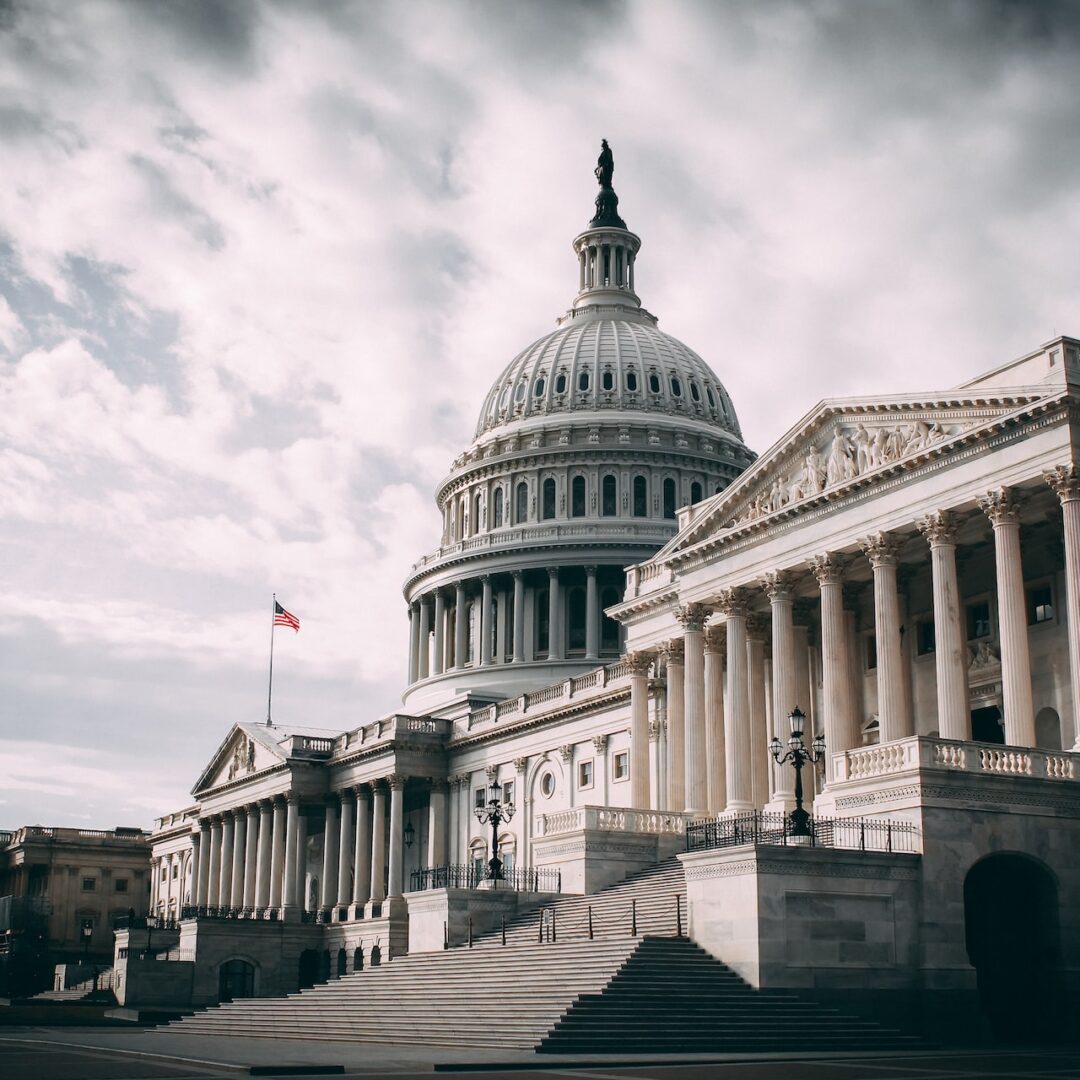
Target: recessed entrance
column 1011, row 927
column 236, row 979
column 308, row 968
column 986, row 725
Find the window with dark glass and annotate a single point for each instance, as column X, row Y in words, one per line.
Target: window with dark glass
column 577, row 496
column 548, row 491
column 631, row 382
column 560, row 384
column 521, row 510
column 709, row 395
column 583, row 381
column 609, row 628
column 676, row 387
column 542, row 627
column 978, row 620
column 695, row 492
column 641, row 497
column 654, row 383
column 538, row 389
column 871, row 652
column 1040, row 604
column 497, row 508
column 576, row 619
column 609, row 497
column 607, row 381
column 669, row 498
column 695, row 393
column 925, row 637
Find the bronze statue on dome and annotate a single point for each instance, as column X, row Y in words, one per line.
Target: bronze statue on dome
column 607, row 202
column 605, row 165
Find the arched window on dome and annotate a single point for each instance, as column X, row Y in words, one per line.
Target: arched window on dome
column 497, row 508
column 641, row 497
column 669, row 498
column 519, row 393
column 541, row 607
column 478, row 512
column 548, row 493
column 676, row 387
column 695, row 393
column 521, row 507
column 577, row 497
column 654, row 383
column 607, row 380
column 504, row 398
column 463, row 517
column 609, row 628
column 538, row 387
column 575, row 618
column 609, row 496
column 583, row 381
column 695, row 492
column 631, row 382
column 709, row 395
column 560, row 383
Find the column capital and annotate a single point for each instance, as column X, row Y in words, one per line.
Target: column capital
column 828, row 568
column 239, row 812
column 939, row 528
column 377, row 786
column 484, row 578
column 655, row 727
column 566, row 752
column 674, row 652
column 590, row 571
column 778, row 585
column 716, row 638
column 440, row 785
column 396, row 781
column 600, row 743
column 734, row 603
column 1065, row 480
column 692, row 617
column 1001, row 506
column 521, row 764
column 492, row 773
column 361, row 791
column 553, row 572
column 425, row 600
column 293, row 798
column 879, row 549
column 517, row 575
column 639, row 662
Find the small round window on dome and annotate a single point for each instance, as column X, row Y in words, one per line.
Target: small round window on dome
column 538, row 389
column 631, row 382
column 519, row 393
column 560, row 384
column 695, row 393
column 608, row 381
column 583, row 381
column 547, row 785
column 676, row 387
column 654, row 383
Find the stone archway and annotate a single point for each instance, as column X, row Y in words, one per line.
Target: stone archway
column 308, row 968
column 1011, row 930
column 236, row 979
column 1048, row 729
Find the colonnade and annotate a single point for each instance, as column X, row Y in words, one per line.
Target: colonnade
column 720, row 717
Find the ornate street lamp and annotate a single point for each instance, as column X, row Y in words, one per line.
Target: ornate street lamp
column 410, row 834
column 798, row 755
column 494, row 813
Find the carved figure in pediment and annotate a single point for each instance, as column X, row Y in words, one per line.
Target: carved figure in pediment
column 881, row 443
column 894, row 446
column 984, row 656
column 863, row 453
column 917, row 437
column 250, row 755
column 841, row 464
column 777, row 496
column 814, row 471
column 937, row 433
column 234, row 765
column 797, row 487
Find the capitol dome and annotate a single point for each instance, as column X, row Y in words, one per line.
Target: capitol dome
column 587, row 445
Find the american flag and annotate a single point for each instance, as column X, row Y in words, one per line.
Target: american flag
column 285, row 618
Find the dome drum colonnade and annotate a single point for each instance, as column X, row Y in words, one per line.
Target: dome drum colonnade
column 719, row 692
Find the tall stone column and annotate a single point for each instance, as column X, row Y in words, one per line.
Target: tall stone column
column 251, row 854
column 740, row 786
column 524, row 805
column 397, row 834
column 756, row 629
column 893, row 722
column 592, row 615
column 1003, row 510
column 829, row 573
column 292, row 828
column 676, row 718
column 266, row 854
column 378, row 842
column 277, row 858
column 692, row 618
column 226, row 878
column 213, row 895
column 485, row 619
column 716, row 767
column 362, row 849
column 194, row 899
column 461, row 627
column 346, row 840
column 1065, row 480
column 501, row 606
column 452, row 854
column 639, row 729
column 206, row 858
column 424, row 641
column 301, row 863
column 438, row 657
column 331, row 840
column 437, row 824
column 780, row 591
column 236, row 863
column 519, row 617
column 414, row 642
column 950, row 648
column 555, row 651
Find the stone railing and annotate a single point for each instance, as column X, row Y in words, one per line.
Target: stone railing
column 42, row 832
column 390, row 727
column 923, row 752
column 612, row 819
column 552, row 696
column 646, row 578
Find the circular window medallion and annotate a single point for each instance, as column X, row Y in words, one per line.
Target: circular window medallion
column 547, row 785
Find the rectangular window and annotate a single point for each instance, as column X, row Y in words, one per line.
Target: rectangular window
column 164, row 872
column 925, row 638
column 121, row 885
column 508, row 793
column 1040, row 604
column 175, row 871
column 480, row 797
column 89, row 884
column 978, row 620
column 871, row 652
column 620, row 765
column 584, row 774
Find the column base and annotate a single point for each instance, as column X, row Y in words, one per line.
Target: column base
column 292, row 914
column 781, row 804
column 356, row 910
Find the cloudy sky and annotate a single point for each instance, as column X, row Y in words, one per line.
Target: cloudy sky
column 259, row 263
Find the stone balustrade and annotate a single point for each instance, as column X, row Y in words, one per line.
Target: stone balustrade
column 612, row 819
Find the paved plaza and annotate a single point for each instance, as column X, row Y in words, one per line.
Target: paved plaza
column 74, row 1054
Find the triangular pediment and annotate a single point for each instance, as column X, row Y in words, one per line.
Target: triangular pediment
column 842, row 444
column 247, row 749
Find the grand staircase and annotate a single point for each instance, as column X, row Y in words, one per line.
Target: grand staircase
column 555, row 989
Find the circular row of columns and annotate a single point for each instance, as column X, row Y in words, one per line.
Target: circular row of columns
column 434, row 617
column 252, row 856
column 701, row 732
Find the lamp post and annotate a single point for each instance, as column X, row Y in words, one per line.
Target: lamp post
column 494, row 813
column 798, row 755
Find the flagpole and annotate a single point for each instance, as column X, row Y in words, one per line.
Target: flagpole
column 270, row 691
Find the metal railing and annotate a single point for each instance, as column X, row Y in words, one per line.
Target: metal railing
column 269, row 914
column 603, row 920
column 519, row 879
column 145, row 922
column 757, row 827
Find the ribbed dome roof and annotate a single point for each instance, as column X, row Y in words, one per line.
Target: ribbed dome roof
column 595, row 363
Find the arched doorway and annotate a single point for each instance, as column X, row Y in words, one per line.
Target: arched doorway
column 309, row 968
column 342, row 960
column 1047, row 729
column 1011, row 927
column 236, row 979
